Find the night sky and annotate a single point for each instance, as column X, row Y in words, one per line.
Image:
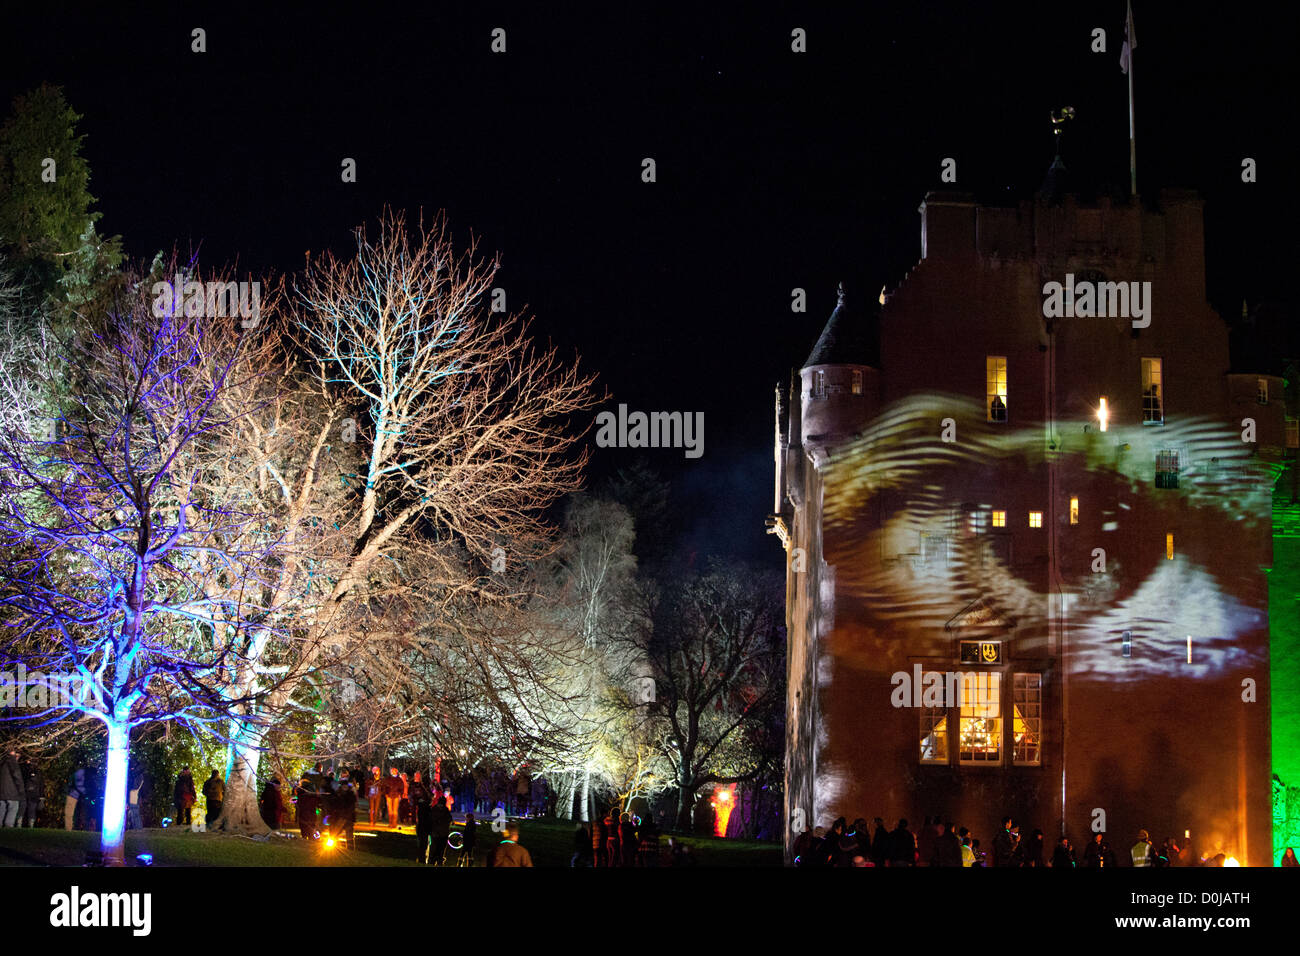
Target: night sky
column 775, row 170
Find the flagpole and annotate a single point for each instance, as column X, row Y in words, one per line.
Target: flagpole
column 1132, row 130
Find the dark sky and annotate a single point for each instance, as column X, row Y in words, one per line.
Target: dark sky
column 775, row 170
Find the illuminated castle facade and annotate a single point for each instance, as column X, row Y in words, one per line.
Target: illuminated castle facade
column 1070, row 514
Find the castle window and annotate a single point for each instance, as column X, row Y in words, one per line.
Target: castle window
column 1293, row 433
column 1152, row 401
column 1261, row 391
column 1035, row 519
column 1074, row 510
column 999, row 519
column 1167, row 469
column 819, row 384
column 980, row 718
column 934, row 735
column 977, row 521
column 1169, row 546
column 1126, row 644
column 934, row 548
column 995, row 387
column 857, row 381
column 1027, row 719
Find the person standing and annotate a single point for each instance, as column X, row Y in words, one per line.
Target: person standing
column 422, row 798
column 1142, row 852
column 306, row 803
column 470, row 842
column 1034, row 850
column 1004, row 845
column 374, row 794
column 12, row 790
column 598, row 835
column 272, row 804
column 880, row 843
column 611, row 838
column 135, row 784
column 76, row 791
column 627, row 841
column 439, row 829
column 508, row 852
column 1098, row 854
column 947, row 848
column 343, row 815
column 214, row 792
column 647, row 850
column 184, row 796
column 404, row 814
column 902, row 846
column 34, row 791
column 1063, row 856
column 967, row 848
column 393, row 796
column 581, row 847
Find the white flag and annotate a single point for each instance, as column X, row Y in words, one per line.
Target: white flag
column 1130, row 42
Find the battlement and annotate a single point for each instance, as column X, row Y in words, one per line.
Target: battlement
column 1102, row 235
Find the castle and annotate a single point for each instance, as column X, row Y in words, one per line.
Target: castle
column 1074, row 514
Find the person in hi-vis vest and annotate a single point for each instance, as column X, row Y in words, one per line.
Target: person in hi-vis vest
column 1142, row 851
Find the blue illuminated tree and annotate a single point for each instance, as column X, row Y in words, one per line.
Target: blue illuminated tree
column 133, row 579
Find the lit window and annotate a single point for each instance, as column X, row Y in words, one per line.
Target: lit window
column 1152, row 402
column 1035, row 519
column 819, row 384
column 999, row 519
column 980, row 720
column 1027, row 720
column 1261, row 391
column 1169, row 546
column 934, row 735
column 1074, row 511
column 1167, row 469
column 995, row 390
column 857, row 381
column 1126, row 644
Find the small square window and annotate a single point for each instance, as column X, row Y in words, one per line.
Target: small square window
column 1035, row 519
column 999, row 519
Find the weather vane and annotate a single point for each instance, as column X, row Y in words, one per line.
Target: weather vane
column 1058, row 124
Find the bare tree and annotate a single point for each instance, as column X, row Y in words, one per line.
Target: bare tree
column 129, row 587
column 715, row 643
column 462, row 435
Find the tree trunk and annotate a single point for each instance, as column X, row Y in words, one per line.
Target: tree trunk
column 584, row 797
column 685, row 804
column 112, row 838
column 240, row 812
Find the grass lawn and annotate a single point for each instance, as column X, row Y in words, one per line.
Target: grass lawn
column 549, row 842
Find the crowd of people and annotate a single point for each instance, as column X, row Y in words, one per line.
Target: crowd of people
column 22, row 790
column 621, row 839
column 943, row 843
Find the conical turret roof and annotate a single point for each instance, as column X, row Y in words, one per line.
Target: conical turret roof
column 846, row 339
